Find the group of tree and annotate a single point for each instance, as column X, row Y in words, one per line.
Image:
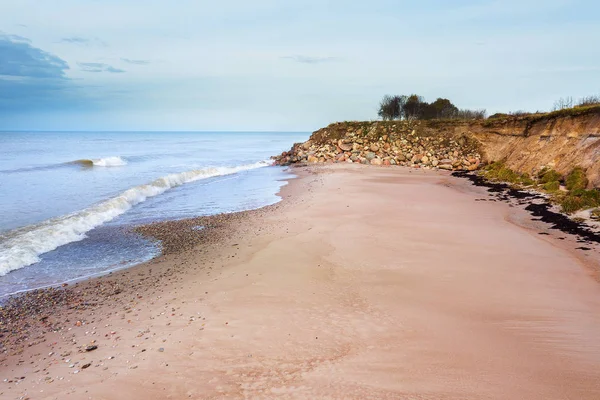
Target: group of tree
column 414, row 107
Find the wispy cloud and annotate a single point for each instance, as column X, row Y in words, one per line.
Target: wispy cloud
column 99, row 67
column 18, row 58
column 83, row 41
column 135, row 62
column 310, row 60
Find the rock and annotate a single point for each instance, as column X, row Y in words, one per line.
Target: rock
column 306, row 145
column 376, row 161
column 387, row 162
column 162, row 349
column 91, row 347
column 445, row 166
column 312, row 159
column 344, row 146
column 374, row 147
column 424, row 159
column 435, row 162
column 370, row 156
column 86, row 365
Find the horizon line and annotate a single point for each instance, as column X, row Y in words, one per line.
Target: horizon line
column 140, row 131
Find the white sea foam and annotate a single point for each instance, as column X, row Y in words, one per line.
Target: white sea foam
column 23, row 246
column 109, row 162
column 101, row 162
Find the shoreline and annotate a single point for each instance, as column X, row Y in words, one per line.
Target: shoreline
column 184, row 223
column 123, row 301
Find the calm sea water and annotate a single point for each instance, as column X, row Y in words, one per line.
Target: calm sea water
column 68, row 199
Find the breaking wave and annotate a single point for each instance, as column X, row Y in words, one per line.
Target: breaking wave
column 23, row 246
column 101, row 162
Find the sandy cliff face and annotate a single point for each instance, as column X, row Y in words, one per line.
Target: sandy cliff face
column 560, row 140
column 562, row 143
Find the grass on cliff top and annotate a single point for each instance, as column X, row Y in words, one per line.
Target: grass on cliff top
column 536, row 117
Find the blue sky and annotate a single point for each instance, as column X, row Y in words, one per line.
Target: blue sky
column 283, row 65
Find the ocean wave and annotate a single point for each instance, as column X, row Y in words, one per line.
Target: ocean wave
column 23, row 246
column 101, row 162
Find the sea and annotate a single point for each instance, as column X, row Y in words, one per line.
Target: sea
column 68, row 200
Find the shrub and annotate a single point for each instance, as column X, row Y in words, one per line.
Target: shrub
column 570, row 204
column 580, row 199
column 588, row 101
column 519, row 113
column 526, row 180
column 549, row 175
column 500, row 172
column 552, row 186
column 576, row 179
column 563, row 103
column 471, row 114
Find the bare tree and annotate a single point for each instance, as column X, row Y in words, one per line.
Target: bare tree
column 588, row 101
column 562, row 103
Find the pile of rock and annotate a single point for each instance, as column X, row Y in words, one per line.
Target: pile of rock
column 384, row 144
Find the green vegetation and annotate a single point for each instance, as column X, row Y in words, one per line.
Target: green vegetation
column 530, row 119
column 553, row 186
column 497, row 171
column 549, row 175
column 550, row 180
column 576, row 179
column 579, row 200
column 574, row 199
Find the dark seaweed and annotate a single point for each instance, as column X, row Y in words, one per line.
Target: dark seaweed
column 541, row 210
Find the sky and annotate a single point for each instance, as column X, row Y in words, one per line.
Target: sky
column 293, row 65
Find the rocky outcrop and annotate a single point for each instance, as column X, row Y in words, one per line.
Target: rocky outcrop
column 560, row 140
column 385, row 143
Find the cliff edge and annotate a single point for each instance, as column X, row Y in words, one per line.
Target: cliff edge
column 559, row 140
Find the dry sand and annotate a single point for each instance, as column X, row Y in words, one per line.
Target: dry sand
column 364, row 283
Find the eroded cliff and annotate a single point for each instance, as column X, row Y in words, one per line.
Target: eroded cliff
column 560, row 140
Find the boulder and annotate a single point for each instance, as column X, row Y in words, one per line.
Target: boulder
column 376, row 161
column 345, row 146
column 370, row 156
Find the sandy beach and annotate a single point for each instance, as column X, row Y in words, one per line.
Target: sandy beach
column 363, row 283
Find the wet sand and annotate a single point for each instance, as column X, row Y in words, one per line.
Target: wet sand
column 365, row 283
